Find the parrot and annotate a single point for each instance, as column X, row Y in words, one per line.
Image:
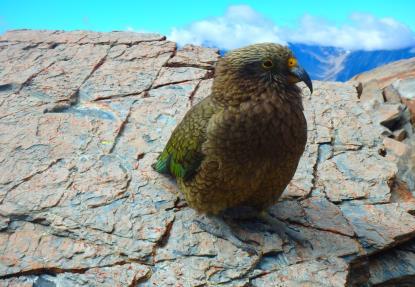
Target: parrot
column 235, row 151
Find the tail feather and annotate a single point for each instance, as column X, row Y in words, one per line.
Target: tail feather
column 162, row 164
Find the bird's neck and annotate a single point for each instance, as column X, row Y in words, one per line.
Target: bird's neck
column 230, row 92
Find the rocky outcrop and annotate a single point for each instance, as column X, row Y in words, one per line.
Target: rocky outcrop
column 395, row 82
column 82, row 117
column 390, row 92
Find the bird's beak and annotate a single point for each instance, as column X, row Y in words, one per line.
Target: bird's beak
column 298, row 74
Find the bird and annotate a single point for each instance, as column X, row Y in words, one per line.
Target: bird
column 234, row 152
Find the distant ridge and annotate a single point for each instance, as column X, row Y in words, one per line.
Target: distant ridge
column 337, row 64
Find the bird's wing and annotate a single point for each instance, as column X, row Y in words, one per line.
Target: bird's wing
column 183, row 153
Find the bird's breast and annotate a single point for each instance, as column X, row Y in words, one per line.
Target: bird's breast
column 264, row 127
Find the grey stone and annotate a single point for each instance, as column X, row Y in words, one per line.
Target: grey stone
column 327, row 272
column 371, row 92
column 79, row 37
column 345, row 177
column 394, row 268
column 391, row 94
column 388, row 74
column 131, row 73
column 379, row 226
column 83, row 115
column 170, row 75
column 400, row 134
column 396, row 147
column 391, row 116
column 405, row 87
column 195, row 56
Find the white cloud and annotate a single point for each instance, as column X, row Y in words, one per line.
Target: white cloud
column 365, row 32
column 132, row 29
column 241, row 25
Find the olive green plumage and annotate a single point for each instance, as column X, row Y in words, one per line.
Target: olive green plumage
column 241, row 145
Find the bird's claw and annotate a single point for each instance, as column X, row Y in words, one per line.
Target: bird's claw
column 286, row 233
column 293, row 235
column 219, row 228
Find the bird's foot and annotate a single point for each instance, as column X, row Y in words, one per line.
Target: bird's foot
column 216, row 226
column 286, row 233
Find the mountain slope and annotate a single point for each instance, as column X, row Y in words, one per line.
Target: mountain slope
column 336, row 64
column 361, row 61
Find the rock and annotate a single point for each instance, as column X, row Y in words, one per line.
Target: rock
column 405, row 87
column 379, row 225
column 179, row 75
column 402, row 194
column 394, row 268
column 410, row 103
column 406, row 165
column 23, row 282
column 128, row 274
column 33, row 248
column 194, row 56
column 133, row 71
column 390, row 116
column 83, row 115
column 370, row 91
column 329, row 272
column 397, row 80
column 387, row 74
column 361, row 175
column 398, row 148
column 316, row 212
column 4, row 222
column 400, row 134
column 202, row 90
column 325, row 215
column 387, row 133
column 391, row 95
column 79, row 37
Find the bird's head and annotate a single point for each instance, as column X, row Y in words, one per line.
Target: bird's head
column 260, row 65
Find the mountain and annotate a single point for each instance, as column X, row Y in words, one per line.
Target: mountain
column 361, row 61
column 337, row 64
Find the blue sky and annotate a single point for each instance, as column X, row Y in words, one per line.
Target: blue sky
column 372, row 24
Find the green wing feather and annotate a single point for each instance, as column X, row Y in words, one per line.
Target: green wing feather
column 183, row 155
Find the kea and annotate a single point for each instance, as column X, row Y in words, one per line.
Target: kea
column 234, row 152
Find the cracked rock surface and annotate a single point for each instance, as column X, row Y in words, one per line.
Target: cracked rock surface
column 83, row 115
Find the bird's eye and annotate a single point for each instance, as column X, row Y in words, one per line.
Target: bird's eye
column 292, row 62
column 267, row 64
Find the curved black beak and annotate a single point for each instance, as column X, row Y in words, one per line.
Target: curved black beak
column 301, row 75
